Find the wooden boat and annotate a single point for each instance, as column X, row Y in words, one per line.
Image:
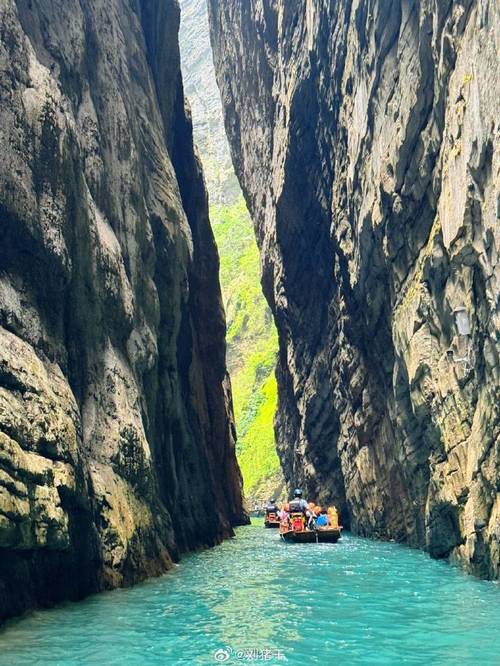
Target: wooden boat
column 271, row 520
column 320, row 535
column 295, row 531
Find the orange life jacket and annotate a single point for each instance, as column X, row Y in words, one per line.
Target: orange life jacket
column 297, row 521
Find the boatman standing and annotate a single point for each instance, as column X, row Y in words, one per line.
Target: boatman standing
column 272, row 507
column 298, row 504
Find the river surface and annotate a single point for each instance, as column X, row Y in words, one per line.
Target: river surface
column 256, row 600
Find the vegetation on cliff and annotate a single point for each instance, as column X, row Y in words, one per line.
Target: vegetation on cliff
column 252, row 344
column 251, row 335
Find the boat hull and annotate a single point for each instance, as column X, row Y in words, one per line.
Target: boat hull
column 327, row 535
column 271, row 523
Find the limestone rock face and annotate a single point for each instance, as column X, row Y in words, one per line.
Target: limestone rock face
column 365, row 136
column 202, row 93
column 116, row 430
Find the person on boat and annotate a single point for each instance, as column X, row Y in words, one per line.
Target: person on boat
column 299, row 505
column 333, row 516
column 322, row 519
column 272, row 507
column 284, row 515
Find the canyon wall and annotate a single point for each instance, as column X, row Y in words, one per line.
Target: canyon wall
column 201, row 90
column 365, row 137
column 116, row 430
column 252, row 341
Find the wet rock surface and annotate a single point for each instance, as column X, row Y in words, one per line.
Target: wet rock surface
column 116, row 428
column 365, row 137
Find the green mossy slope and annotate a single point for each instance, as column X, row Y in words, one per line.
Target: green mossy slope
column 252, row 346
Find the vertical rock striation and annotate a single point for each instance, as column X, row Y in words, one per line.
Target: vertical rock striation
column 365, row 136
column 252, row 341
column 116, row 431
column 201, row 90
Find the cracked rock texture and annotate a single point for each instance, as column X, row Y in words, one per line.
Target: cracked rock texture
column 365, row 137
column 116, row 430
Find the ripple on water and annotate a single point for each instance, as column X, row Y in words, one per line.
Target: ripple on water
column 358, row 602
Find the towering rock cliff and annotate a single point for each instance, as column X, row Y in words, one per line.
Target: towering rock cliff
column 365, row 136
column 116, row 433
column 201, row 90
column 252, row 341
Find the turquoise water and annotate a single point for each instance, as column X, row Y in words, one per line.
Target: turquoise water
column 357, row 602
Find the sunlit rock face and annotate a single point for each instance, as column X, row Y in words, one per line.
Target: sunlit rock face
column 365, row 136
column 202, row 93
column 116, row 431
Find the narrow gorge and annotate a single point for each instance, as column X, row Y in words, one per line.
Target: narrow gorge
column 249, row 249
column 365, row 138
column 252, row 342
column 117, row 442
